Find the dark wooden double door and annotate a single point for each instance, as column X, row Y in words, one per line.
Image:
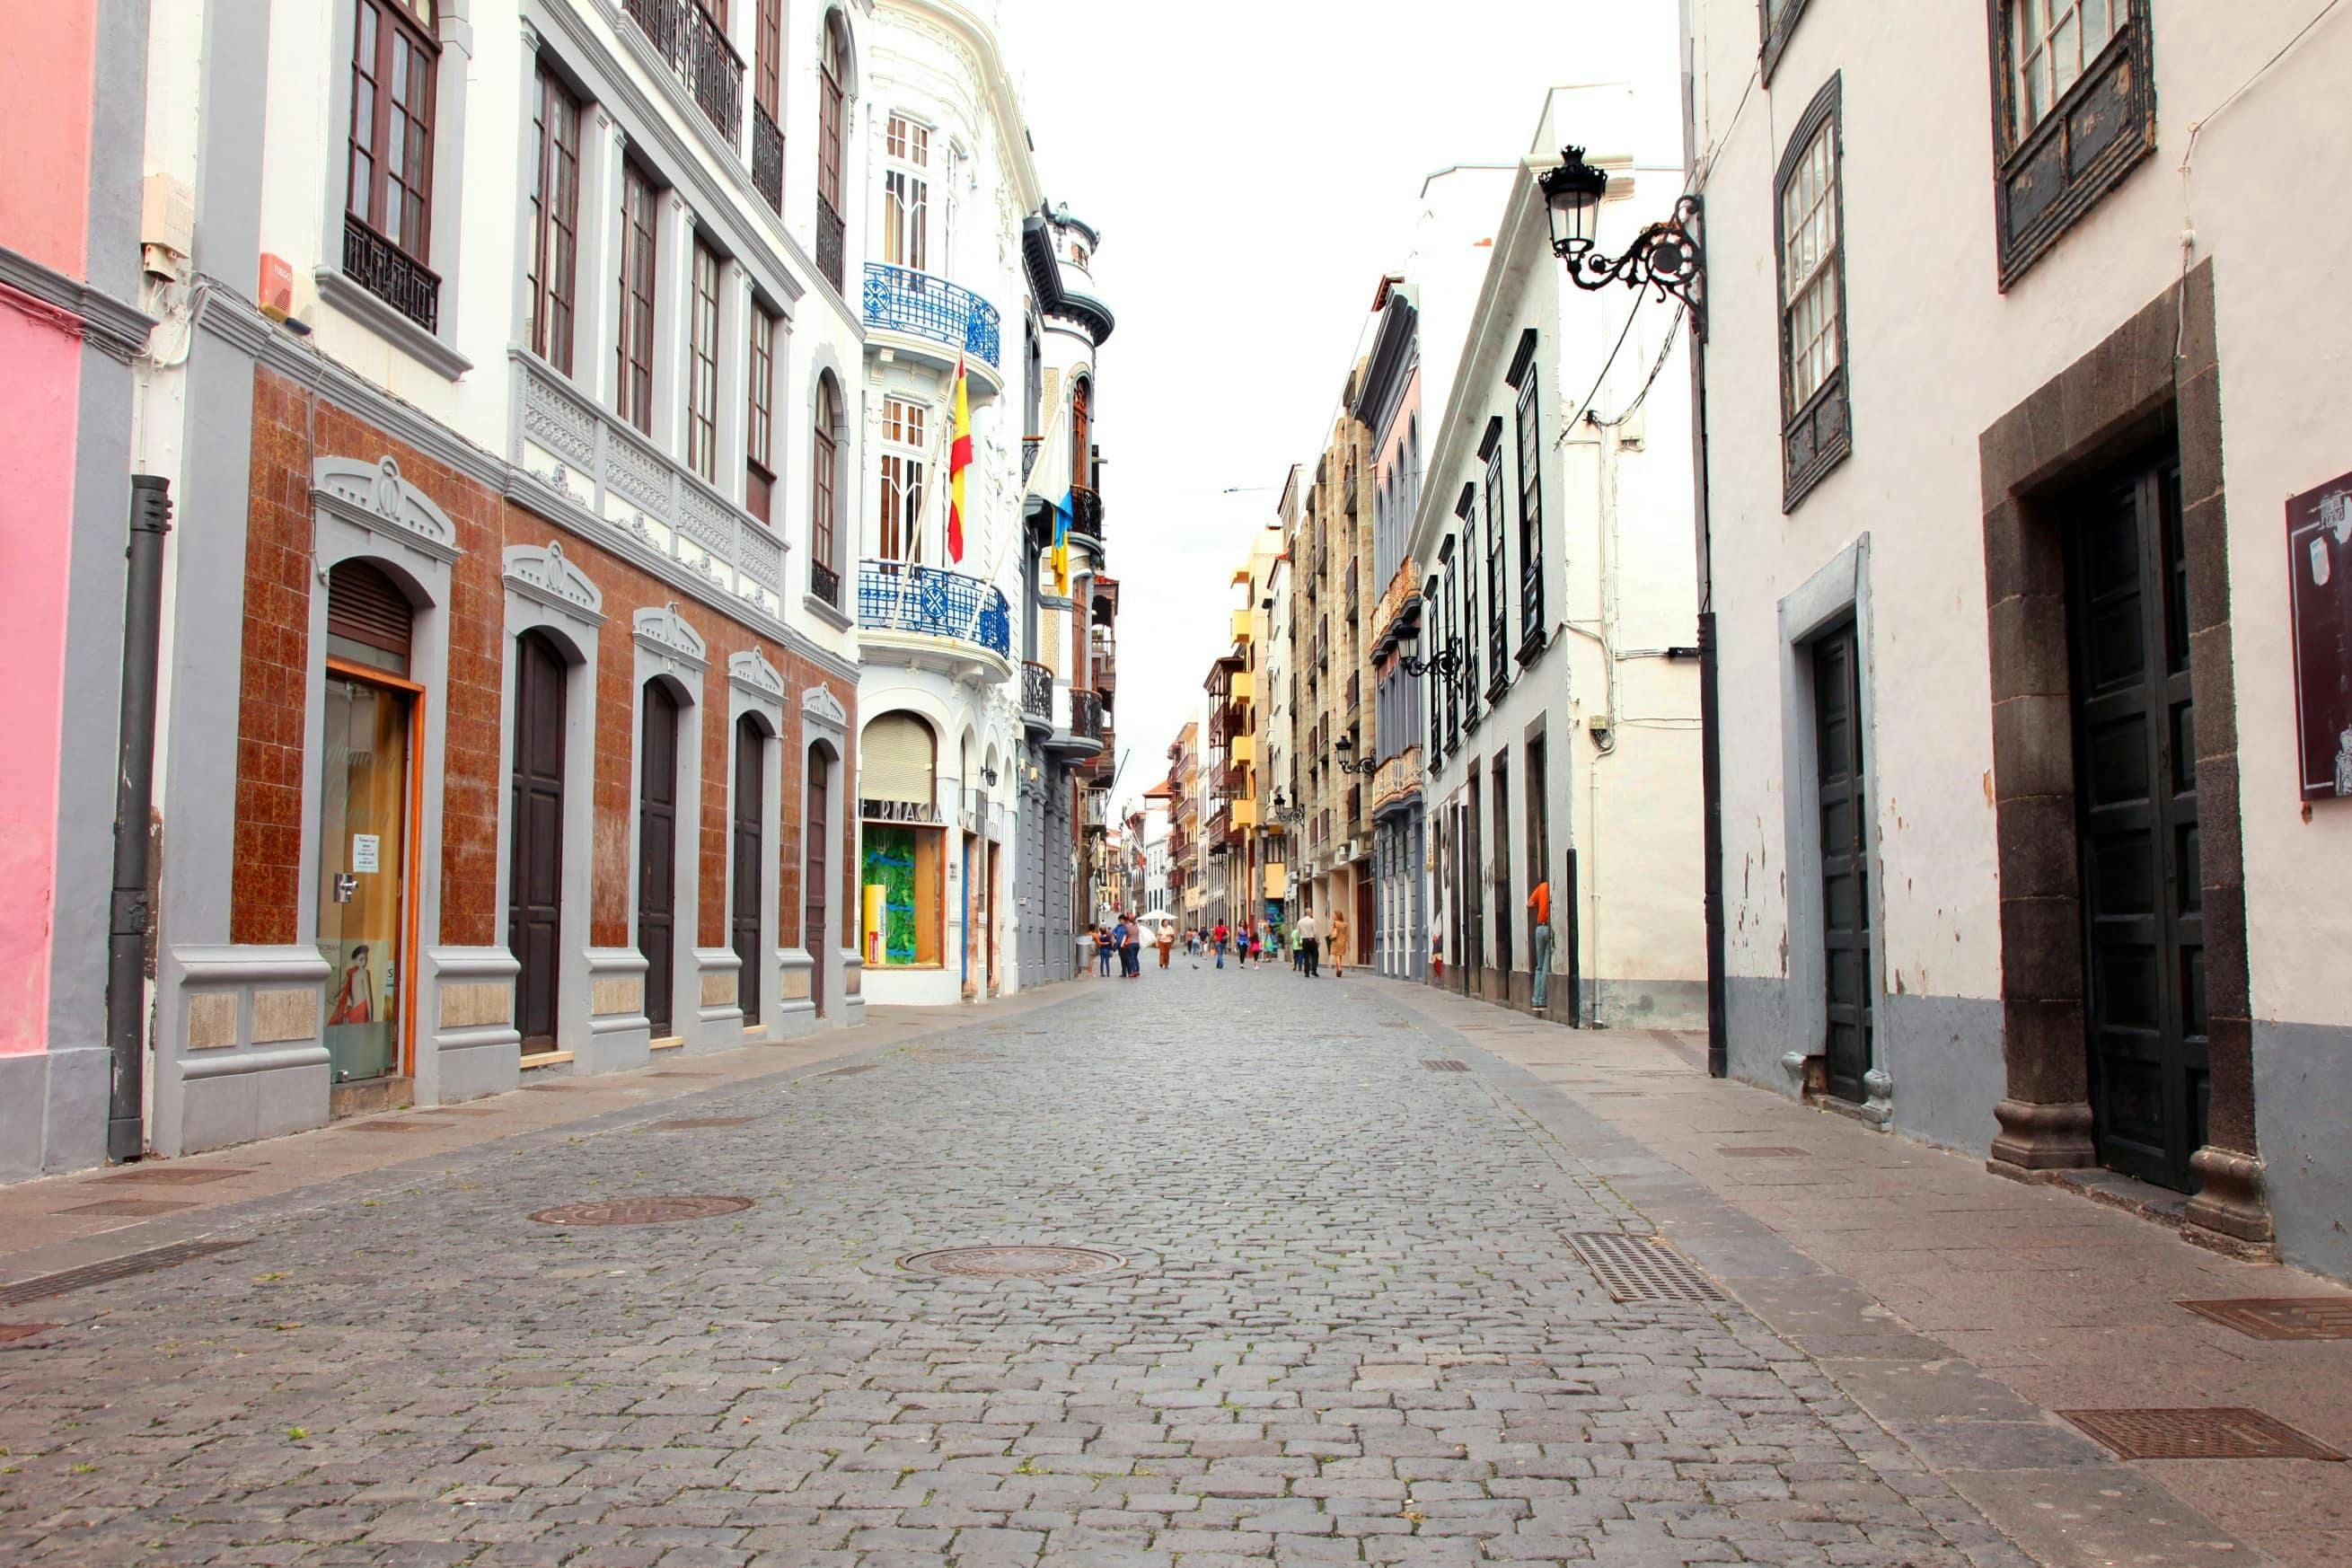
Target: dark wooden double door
column 2136, row 815
column 657, row 759
column 1841, row 813
column 535, row 846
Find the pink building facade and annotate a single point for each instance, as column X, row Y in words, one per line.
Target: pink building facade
column 71, row 117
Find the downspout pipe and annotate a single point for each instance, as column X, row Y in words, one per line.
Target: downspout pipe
column 129, row 916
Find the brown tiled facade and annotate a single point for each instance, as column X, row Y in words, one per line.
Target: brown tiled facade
column 293, row 425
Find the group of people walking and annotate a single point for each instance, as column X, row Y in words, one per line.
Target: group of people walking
column 1302, row 939
column 1124, row 941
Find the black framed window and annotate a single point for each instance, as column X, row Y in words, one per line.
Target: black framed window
column 1529, row 439
column 394, row 55
column 823, row 488
column 1465, row 576
column 1816, row 432
column 634, row 342
column 1431, row 641
column 555, row 221
column 2074, row 112
column 1498, row 645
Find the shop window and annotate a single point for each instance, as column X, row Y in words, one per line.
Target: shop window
column 900, row 875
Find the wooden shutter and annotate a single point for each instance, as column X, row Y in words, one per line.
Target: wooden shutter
column 365, row 606
column 895, row 762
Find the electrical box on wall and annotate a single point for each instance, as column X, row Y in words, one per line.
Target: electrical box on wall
column 167, row 223
column 274, row 293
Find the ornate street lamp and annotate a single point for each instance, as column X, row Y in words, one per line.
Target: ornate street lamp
column 1350, row 763
column 1284, row 813
column 1665, row 255
column 1446, row 661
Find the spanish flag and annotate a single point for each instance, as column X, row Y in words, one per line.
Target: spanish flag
column 959, row 459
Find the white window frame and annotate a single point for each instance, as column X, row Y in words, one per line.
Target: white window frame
column 902, row 470
column 906, row 191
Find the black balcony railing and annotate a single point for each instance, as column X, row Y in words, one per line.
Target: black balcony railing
column 829, row 250
column 1085, row 511
column 825, row 584
column 1037, row 693
column 696, row 46
column 1085, row 714
column 767, row 157
column 390, row 274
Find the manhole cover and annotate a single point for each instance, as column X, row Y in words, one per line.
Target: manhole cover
column 2282, row 1317
column 640, row 1211
column 23, row 1331
column 1446, row 1065
column 1636, row 1268
column 1012, row 1262
column 171, row 1175
column 1762, row 1152
column 691, row 1123
column 2224, row 1431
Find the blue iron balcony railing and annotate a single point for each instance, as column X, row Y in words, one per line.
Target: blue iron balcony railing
column 900, row 299
column 894, row 596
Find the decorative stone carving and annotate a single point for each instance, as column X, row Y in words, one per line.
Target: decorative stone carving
column 542, row 573
column 820, row 706
column 637, row 475
column 753, row 676
column 761, row 558
column 554, row 419
column 374, row 495
column 1878, row 1109
column 665, row 632
column 705, row 520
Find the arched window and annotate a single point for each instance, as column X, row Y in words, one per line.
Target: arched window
column 1081, row 431
column 824, row 492
column 898, row 760
column 833, row 75
column 901, row 873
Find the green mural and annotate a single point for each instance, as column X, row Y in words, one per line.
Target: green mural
column 890, row 862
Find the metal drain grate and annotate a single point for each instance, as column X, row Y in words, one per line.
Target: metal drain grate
column 382, row 1126
column 170, row 1176
column 41, row 1286
column 1637, row 1268
column 693, row 1123
column 1760, row 1151
column 2280, row 1317
column 2224, row 1431
column 680, row 1072
column 131, row 1208
column 640, row 1211
column 553, row 1088
column 11, row 1331
column 850, row 1072
column 1445, row 1064
column 461, row 1110
column 1011, row 1262
column 1621, row 1094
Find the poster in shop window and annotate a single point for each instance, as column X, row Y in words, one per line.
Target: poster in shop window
column 2319, row 573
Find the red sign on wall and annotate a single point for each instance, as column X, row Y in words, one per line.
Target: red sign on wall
column 2319, row 577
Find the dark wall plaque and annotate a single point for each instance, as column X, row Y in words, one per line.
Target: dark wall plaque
column 2319, row 575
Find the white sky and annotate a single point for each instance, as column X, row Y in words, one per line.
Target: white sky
column 1254, row 169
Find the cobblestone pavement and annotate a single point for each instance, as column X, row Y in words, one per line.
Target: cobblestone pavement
column 1349, row 1328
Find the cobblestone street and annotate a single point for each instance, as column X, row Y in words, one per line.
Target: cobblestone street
column 1349, row 1324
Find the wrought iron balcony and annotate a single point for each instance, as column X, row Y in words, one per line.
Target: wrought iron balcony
column 1085, row 511
column 1029, row 448
column 1085, row 714
column 933, row 602
column 830, row 250
column 825, row 584
column 696, row 46
column 900, row 299
column 390, row 274
column 1036, row 695
column 767, row 157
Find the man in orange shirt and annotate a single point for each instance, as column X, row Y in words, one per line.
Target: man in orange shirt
column 1540, row 908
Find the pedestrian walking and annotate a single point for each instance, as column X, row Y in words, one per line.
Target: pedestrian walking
column 1166, row 943
column 1340, row 944
column 1130, row 953
column 1307, row 950
column 1297, row 951
column 1218, row 938
column 1103, row 950
column 1539, row 913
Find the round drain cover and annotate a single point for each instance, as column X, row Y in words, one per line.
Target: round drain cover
column 1012, row 1262
column 640, row 1211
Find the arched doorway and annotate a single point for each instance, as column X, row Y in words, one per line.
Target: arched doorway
column 535, row 863
column 371, row 735
column 749, row 834
column 657, row 855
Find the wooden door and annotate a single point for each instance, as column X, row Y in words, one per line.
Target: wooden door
column 816, row 876
column 2135, row 789
column 535, row 855
column 751, row 815
column 657, row 855
column 1840, row 805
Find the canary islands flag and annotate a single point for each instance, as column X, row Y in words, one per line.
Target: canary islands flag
column 1049, row 482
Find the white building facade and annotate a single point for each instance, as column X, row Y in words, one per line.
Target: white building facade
column 2033, row 680
column 1552, row 545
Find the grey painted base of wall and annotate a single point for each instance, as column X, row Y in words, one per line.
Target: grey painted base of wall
column 792, row 1020
column 618, row 1044
column 2302, row 1118
column 1944, row 1054
column 237, row 1098
column 1642, row 1003
column 53, row 1111
column 473, row 1063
